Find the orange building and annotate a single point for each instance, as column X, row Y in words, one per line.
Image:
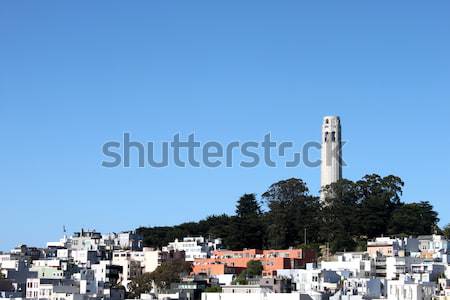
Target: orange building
column 233, row 262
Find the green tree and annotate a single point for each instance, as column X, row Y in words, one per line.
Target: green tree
column 241, row 278
column 213, row 289
column 353, row 213
column 340, row 215
column 254, row 268
column 247, row 227
column 219, row 226
column 413, row 219
column 379, row 197
column 446, row 231
column 291, row 211
column 140, row 285
column 160, row 236
column 248, row 207
column 170, row 272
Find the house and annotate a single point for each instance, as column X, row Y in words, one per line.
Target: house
column 194, row 247
column 152, row 258
column 131, row 264
column 405, row 289
column 358, row 264
column 312, row 279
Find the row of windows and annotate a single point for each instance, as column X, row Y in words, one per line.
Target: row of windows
column 32, row 294
column 333, row 136
column 30, row 284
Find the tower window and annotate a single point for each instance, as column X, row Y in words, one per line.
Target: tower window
column 326, row 136
column 333, row 136
column 327, row 121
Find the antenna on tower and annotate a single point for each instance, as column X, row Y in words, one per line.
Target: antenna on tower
column 64, row 229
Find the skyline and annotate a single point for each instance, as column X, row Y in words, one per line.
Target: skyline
column 69, row 84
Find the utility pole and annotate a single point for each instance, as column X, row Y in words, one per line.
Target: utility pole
column 328, row 251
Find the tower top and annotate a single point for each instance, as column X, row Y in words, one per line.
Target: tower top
column 330, row 118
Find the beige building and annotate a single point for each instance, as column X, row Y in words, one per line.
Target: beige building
column 383, row 246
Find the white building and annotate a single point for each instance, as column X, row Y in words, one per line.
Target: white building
column 131, row 263
column 85, row 240
column 35, row 289
column 366, row 288
column 427, row 271
column 407, row 289
column 255, row 293
column 194, row 247
column 351, row 264
column 388, row 246
column 48, row 272
column 87, row 282
column 84, row 257
column 312, row 280
column 126, row 240
column 62, row 243
column 398, row 265
column 434, row 247
column 39, row 288
column 152, row 259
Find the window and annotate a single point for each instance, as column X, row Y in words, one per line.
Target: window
column 333, row 136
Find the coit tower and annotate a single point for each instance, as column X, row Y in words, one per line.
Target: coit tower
column 331, row 153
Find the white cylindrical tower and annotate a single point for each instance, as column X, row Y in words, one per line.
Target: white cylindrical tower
column 331, row 152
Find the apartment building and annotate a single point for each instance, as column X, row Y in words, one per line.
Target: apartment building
column 271, row 260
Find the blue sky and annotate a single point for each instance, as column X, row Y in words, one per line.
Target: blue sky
column 74, row 75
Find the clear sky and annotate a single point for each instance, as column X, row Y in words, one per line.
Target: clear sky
column 75, row 74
